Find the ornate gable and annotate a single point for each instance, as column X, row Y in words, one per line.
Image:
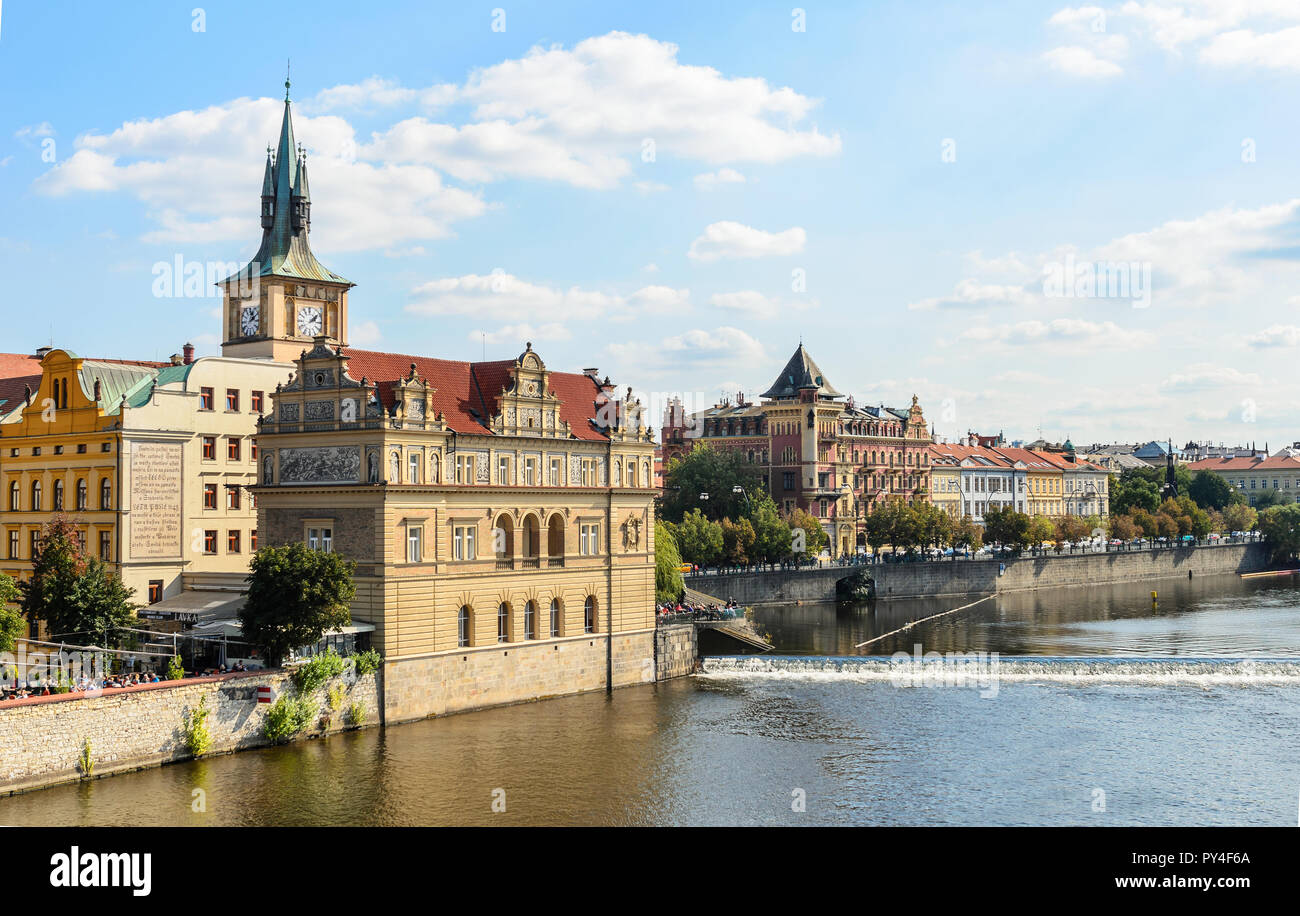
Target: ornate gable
column 526, row 405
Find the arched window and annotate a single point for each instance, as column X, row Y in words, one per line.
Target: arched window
column 589, row 615
column 58, row 496
column 81, row 494
column 645, row 471
column 105, row 494
column 532, row 537
column 463, row 626
column 530, row 620
column 555, row 540
column 36, row 496
column 13, row 496
column 503, row 622
column 557, row 618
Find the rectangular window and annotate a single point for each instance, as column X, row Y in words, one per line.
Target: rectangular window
column 209, row 448
column 589, row 540
column 462, row 542
column 413, row 467
column 35, row 543
column 252, row 540
column 232, row 399
column 232, row 448
column 414, row 544
column 465, row 469
column 321, row 539
column 530, row 472
column 255, row 401
column 205, row 399
column 232, row 541
column 13, row 545
column 106, row 546
column 555, row 472
column 253, row 451
column 232, row 496
column 210, row 542
column 209, row 496
column 504, row 476
column 588, row 466
column 155, row 591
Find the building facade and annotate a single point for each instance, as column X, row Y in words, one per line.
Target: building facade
column 500, row 513
column 816, row 449
column 1252, row 476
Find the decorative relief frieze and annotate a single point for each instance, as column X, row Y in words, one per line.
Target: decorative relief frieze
column 319, row 410
column 289, row 413
column 322, row 464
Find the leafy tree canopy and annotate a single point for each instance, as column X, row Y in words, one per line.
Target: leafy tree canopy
column 77, row 596
column 717, row 472
column 295, row 596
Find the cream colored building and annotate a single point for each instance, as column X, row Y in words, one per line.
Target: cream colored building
column 150, row 462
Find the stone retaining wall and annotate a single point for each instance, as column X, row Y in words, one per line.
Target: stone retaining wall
column 675, row 650
column 41, row 741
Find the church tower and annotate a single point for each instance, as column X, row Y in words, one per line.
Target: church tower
column 284, row 297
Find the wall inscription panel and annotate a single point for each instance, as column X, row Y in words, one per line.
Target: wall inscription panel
column 155, row 499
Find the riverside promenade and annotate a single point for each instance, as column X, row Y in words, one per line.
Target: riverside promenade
column 957, row 578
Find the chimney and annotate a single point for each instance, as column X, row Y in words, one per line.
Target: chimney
column 175, row 359
column 188, row 350
column 592, row 373
column 41, row 351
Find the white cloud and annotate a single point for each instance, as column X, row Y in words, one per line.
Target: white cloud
column 660, row 299
column 710, row 180
column 1244, row 48
column 1076, row 332
column 522, row 333
column 973, row 294
column 692, row 351
column 736, row 240
column 1277, row 335
column 503, row 296
column 1077, row 61
column 364, row 334
column 756, row 305
column 376, row 92
column 34, row 131
column 1205, row 376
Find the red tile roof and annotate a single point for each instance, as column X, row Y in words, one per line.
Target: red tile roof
column 1246, row 463
column 467, row 393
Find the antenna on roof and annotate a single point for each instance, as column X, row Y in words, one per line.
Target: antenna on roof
column 484, row 333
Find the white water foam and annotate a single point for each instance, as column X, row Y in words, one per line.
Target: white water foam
column 1152, row 670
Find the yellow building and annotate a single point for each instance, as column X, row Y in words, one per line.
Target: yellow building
column 1044, row 482
column 149, row 461
column 500, row 513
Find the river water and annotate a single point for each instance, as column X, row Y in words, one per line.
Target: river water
column 1098, row 708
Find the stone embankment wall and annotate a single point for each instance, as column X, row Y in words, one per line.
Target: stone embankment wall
column 41, row 739
column 980, row 577
column 675, row 650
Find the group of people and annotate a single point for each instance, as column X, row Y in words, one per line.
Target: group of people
column 82, row 684
column 684, row 608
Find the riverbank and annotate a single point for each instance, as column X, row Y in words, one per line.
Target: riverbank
column 960, row 578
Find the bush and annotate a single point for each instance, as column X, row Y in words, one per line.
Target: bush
column 198, row 737
column 174, row 670
column 287, row 717
column 312, row 674
column 367, row 661
column 356, row 715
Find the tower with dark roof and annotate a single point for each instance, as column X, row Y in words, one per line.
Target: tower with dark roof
column 284, row 297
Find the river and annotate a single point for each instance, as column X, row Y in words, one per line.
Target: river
column 1107, row 710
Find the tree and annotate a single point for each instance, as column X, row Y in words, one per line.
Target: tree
column 1041, row 528
column 1073, row 529
column 1123, row 527
column 1145, row 521
column 737, row 541
column 1240, row 517
column 965, row 533
column 1166, row 525
column 11, row 622
column 878, row 526
column 815, row 538
column 1006, row 526
column 295, row 597
column 716, row 472
column 933, row 524
column 1269, row 497
column 699, row 539
column 1280, row 526
column 1136, row 488
column 668, row 564
column 77, row 596
column 1210, row 491
column 771, row 532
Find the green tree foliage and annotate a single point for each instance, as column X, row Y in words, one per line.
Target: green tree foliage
column 1071, row 528
column 1240, row 517
column 1123, row 527
column 1280, row 526
column 771, row 532
column 967, row 534
column 1007, row 527
column 1210, row 491
column 815, row 537
column 295, row 596
column 1041, row 529
column 668, row 564
column 1269, row 497
column 1135, row 488
column 12, row 626
column 716, row 472
column 737, row 541
column 77, row 596
column 933, row 526
column 699, row 539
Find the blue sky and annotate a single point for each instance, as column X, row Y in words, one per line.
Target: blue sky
column 923, row 168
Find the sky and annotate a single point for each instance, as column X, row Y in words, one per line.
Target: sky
column 1067, row 221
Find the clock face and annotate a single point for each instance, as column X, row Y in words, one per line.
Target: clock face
column 309, row 321
column 248, row 323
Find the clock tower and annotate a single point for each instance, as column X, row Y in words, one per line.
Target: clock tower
column 284, row 297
